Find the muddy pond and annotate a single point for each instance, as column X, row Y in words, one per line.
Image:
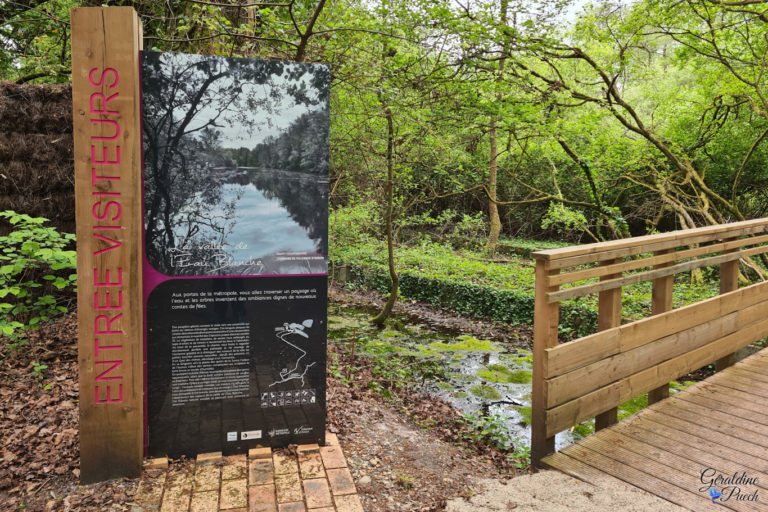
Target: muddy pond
column 483, row 378
column 476, row 376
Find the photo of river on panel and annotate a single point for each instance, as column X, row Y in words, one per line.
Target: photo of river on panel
column 229, row 192
column 235, row 246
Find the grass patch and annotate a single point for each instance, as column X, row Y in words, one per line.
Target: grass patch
column 525, row 412
column 467, row 344
column 501, row 374
column 485, row 392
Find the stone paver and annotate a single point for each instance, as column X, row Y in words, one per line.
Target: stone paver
column 284, row 463
column 209, row 458
column 261, row 498
column 348, row 503
column 207, row 477
column 260, row 453
column 157, row 463
column 297, row 506
column 307, row 448
column 178, row 490
column 333, row 457
column 341, row 481
column 317, row 493
column 288, row 488
column 313, row 479
column 261, row 471
column 234, row 494
column 235, row 467
column 311, row 465
column 150, row 491
column 207, row 501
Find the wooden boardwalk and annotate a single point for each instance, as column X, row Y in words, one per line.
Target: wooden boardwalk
column 718, row 426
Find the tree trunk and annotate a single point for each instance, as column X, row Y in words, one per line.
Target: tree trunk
column 494, row 222
column 389, row 209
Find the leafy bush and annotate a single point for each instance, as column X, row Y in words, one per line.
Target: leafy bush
column 353, row 225
column 36, row 275
column 470, row 286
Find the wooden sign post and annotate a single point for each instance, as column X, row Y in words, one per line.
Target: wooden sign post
column 107, row 136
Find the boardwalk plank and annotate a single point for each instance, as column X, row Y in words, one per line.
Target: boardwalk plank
column 712, row 414
column 644, row 479
column 682, row 473
column 720, row 423
column 753, row 364
column 742, row 384
column 704, row 432
column 739, row 372
column 575, row 468
column 719, row 403
column 746, row 401
column 748, row 374
column 712, row 420
column 686, row 440
column 700, row 456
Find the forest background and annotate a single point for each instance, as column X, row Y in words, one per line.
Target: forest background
column 460, row 130
column 553, row 120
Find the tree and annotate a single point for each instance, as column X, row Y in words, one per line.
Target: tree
column 188, row 101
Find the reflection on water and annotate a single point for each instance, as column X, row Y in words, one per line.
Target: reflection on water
column 263, row 225
column 275, row 222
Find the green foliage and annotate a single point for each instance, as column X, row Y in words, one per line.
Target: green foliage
column 36, row 275
column 467, row 343
column 463, row 282
column 37, row 371
column 352, row 226
column 485, row 392
column 563, row 218
column 491, row 430
column 499, row 373
column 395, row 369
column 435, row 274
column 35, row 39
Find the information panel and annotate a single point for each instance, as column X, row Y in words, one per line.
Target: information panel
column 235, row 252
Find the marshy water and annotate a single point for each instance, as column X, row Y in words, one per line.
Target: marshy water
column 476, row 376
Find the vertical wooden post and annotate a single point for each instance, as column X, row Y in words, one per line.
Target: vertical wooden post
column 661, row 301
column 108, row 193
column 729, row 281
column 608, row 316
column 546, row 317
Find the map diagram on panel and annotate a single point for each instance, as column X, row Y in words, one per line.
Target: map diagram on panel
column 298, row 369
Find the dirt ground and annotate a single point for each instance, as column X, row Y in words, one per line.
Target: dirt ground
column 397, row 464
column 552, row 491
column 407, row 454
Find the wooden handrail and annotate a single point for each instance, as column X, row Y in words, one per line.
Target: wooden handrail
column 591, row 376
column 607, row 250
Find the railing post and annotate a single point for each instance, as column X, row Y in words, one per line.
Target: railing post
column 545, row 322
column 661, row 301
column 729, row 281
column 608, row 316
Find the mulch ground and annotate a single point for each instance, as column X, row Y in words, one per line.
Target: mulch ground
column 409, row 453
column 39, row 427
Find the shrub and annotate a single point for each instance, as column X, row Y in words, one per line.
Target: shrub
column 36, row 275
column 471, row 286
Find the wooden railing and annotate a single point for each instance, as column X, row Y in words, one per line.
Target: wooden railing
column 589, row 377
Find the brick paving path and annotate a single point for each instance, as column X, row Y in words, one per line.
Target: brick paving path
column 314, row 479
